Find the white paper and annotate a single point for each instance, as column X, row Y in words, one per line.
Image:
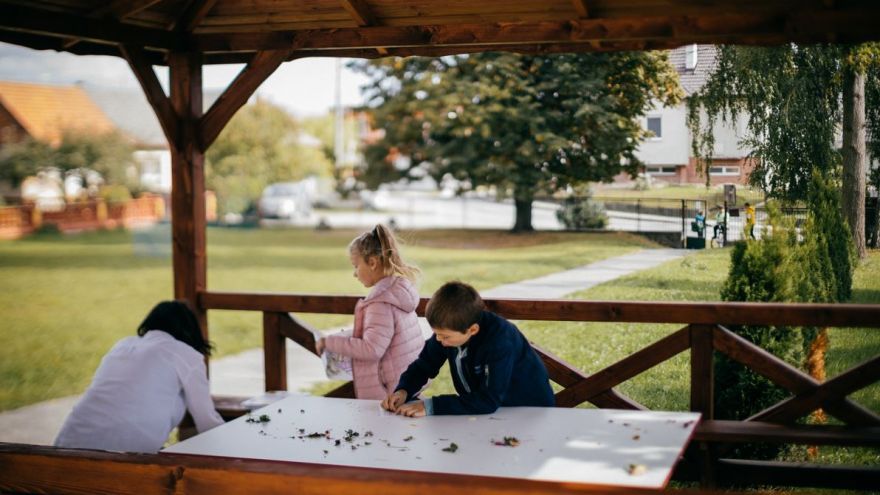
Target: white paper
column 336, row 366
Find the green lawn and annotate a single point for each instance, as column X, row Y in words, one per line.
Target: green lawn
column 713, row 195
column 65, row 300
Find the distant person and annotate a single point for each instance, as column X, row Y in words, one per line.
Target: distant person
column 750, row 220
column 144, row 385
column 386, row 336
column 699, row 225
column 720, row 223
column 491, row 362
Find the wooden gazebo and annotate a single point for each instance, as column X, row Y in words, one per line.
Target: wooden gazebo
column 186, row 34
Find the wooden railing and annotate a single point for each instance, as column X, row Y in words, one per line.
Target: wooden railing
column 704, row 334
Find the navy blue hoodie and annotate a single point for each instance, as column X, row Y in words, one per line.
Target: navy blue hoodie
column 497, row 367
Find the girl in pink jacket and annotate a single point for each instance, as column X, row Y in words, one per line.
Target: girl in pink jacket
column 386, row 336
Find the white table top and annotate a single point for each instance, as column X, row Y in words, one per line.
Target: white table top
column 570, row 445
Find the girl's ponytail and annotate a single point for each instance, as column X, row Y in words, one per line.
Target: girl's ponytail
column 382, row 243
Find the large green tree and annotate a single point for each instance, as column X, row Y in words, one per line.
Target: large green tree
column 798, row 101
column 258, row 147
column 526, row 124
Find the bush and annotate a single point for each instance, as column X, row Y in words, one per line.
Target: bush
column 581, row 213
column 814, row 265
column 761, row 271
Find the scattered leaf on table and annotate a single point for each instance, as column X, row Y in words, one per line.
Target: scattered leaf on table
column 637, row 469
column 452, row 448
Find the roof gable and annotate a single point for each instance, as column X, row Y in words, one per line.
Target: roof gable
column 45, row 112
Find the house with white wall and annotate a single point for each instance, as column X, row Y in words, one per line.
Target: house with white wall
column 667, row 155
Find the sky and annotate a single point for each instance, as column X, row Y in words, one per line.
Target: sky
column 304, row 87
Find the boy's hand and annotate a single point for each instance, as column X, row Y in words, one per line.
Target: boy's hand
column 394, row 401
column 415, row 409
column 319, row 346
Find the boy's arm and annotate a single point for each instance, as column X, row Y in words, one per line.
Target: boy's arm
column 482, row 399
column 371, row 346
column 424, row 368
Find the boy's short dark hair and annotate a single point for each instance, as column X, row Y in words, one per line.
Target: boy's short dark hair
column 455, row 306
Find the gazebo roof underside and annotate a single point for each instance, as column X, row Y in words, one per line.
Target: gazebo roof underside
column 231, row 31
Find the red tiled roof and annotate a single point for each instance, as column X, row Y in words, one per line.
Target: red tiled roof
column 45, row 112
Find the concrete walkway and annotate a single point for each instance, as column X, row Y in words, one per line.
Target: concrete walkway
column 242, row 374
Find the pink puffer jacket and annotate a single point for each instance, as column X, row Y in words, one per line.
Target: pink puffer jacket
column 385, row 340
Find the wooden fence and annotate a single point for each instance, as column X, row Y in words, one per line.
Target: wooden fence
column 18, row 221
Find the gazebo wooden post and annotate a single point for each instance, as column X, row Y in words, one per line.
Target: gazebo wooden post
column 188, row 183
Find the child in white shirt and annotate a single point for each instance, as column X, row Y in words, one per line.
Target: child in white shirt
column 144, row 385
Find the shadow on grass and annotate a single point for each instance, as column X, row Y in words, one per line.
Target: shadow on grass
column 865, row 296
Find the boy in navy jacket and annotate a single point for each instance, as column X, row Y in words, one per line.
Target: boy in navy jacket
column 491, row 362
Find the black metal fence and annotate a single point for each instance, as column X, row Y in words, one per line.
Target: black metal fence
column 719, row 223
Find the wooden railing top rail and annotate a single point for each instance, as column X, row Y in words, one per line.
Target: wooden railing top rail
column 725, row 313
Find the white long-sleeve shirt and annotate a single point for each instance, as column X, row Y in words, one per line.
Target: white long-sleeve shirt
column 140, row 392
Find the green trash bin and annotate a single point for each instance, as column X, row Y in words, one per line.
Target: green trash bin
column 695, row 243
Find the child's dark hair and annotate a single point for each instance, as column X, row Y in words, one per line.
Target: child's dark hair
column 454, row 306
column 178, row 320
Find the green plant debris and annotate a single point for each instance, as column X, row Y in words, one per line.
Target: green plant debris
column 453, row 447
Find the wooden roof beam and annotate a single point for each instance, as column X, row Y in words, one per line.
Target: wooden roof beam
column 37, row 21
column 42, row 42
column 261, row 66
column 581, row 7
column 143, row 70
column 193, row 15
column 363, row 16
column 360, row 11
column 120, row 9
column 746, row 28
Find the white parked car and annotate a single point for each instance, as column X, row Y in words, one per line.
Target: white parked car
column 285, row 200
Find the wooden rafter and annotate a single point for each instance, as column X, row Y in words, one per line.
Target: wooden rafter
column 262, row 65
column 363, row 16
column 360, row 11
column 43, row 42
column 749, row 28
column 27, row 19
column 120, row 9
column 193, row 15
column 143, row 70
column 581, row 7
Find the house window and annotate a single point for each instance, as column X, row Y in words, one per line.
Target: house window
column 655, row 126
column 690, row 57
column 724, row 170
column 660, row 170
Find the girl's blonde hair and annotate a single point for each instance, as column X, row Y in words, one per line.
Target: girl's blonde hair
column 381, row 243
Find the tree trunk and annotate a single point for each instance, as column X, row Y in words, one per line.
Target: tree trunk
column 854, row 161
column 522, row 200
